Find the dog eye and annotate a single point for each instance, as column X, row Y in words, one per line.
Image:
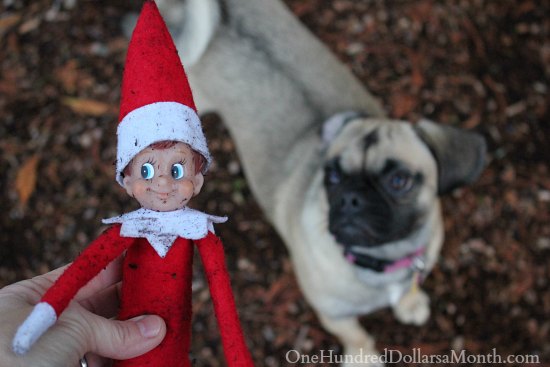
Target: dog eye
column 400, row 181
column 332, row 176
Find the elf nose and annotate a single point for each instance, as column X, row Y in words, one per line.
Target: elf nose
column 162, row 180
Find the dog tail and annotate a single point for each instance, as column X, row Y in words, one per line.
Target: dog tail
column 200, row 21
column 192, row 24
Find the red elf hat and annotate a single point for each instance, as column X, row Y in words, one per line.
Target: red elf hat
column 156, row 103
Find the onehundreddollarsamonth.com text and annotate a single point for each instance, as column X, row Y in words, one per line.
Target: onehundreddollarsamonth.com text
column 415, row 357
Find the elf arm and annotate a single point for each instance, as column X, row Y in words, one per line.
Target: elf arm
column 213, row 259
column 107, row 247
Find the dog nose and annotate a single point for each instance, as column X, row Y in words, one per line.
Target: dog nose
column 351, row 202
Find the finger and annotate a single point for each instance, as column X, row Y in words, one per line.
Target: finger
column 31, row 290
column 124, row 339
column 105, row 303
column 112, row 274
column 52, row 276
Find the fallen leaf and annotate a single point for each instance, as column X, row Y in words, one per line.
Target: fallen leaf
column 403, row 104
column 522, row 285
column 8, row 21
column 91, row 107
column 473, row 121
column 25, row 182
column 67, row 75
column 30, row 25
column 417, row 78
column 118, row 44
column 8, row 88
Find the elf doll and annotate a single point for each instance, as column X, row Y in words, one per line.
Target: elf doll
column 161, row 158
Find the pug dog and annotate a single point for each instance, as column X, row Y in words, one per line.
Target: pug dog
column 353, row 194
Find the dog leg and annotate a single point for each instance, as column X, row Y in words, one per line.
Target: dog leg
column 354, row 338
column 413, row 308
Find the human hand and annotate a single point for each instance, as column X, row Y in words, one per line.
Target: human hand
column 83, row 328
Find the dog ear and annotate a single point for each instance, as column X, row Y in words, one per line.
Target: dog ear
column 460, row 154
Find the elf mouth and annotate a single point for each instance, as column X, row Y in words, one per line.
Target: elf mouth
column 163, row 195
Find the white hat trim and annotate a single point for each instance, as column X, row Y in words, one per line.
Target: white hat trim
column 158, row 122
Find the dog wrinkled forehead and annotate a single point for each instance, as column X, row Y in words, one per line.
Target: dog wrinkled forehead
column 366, row 144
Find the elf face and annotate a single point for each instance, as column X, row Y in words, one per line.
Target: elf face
column 163, row 179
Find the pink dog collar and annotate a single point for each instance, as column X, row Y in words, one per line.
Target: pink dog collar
column 386, row 266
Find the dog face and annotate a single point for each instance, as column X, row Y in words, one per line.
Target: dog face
column 382, row 178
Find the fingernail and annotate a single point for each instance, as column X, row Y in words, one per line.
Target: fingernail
column 149, row 326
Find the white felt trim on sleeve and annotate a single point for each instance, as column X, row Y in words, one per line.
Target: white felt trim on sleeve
column 42, row 317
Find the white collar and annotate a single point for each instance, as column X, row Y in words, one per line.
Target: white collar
column 162, row 228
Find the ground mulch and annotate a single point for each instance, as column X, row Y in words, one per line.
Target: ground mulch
column 481, row 65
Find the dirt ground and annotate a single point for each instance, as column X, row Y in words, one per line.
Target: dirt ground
column 481, row 65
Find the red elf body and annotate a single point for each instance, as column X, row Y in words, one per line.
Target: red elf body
column 161, row 158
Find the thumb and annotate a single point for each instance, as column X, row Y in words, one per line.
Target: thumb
column 125, row 339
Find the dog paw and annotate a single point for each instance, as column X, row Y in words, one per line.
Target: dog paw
column 413, row 308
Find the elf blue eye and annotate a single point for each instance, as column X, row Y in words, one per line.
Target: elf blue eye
column 178, row 171
column 147, row 171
